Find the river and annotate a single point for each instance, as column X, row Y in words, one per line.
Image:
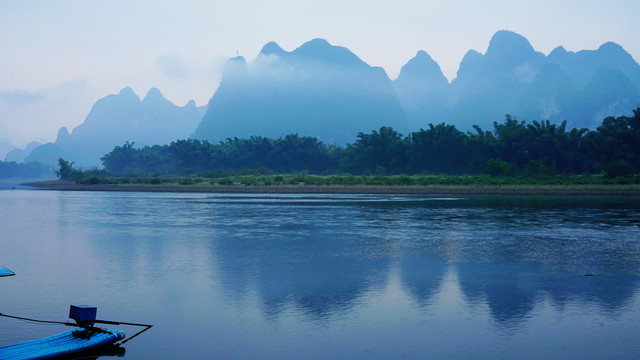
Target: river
column 329, row 276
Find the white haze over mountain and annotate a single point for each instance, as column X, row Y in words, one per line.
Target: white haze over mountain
column 512, row 78
column 62, row 56
column 316, row 90
column 328, row 92
column 116, row 119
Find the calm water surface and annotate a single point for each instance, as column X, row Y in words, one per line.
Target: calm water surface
column 329, row 276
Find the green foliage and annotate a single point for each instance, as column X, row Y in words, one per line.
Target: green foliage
column 441, row 149
column 294, row 180
column 120, row 158
column 497, row 167
column 187, row 181
column 620, row 168
column 212, row 174
column 536, row 169
column 536, row 150
column 66, row 170
column 92, row 180
column 386, row 149
column 225, row 181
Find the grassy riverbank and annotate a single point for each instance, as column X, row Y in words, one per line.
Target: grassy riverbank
column 300, row 183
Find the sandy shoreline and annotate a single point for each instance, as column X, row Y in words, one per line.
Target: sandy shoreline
column 603, row 190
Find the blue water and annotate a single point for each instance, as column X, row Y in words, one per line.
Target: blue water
column 329, row 276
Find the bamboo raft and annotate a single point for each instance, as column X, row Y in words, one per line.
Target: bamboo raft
column 85, row 337
column 67, row 343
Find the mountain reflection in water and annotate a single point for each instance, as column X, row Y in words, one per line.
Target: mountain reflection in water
column 330, row 275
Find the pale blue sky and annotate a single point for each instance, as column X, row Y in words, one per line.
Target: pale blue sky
column 59, row 57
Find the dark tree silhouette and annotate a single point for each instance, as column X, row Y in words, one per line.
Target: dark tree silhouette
column 535, row 149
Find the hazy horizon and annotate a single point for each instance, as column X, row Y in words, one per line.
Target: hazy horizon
column 64, row 56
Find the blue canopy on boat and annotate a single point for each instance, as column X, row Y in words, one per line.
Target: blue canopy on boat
column 5, row 272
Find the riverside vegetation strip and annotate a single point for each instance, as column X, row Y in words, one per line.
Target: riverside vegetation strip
column 513, row 148
column 521, row 158
column 304, row 183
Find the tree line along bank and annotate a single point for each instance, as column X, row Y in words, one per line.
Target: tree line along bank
column 514, row 148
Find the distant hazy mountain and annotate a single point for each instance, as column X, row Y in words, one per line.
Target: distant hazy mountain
column 422, row 89
column 316, row 90
column 581, row 66
column 5, row 147
column 489, row 86
column 115, row 119
column 512, row 78
column 328, row 92
column 18, row 155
